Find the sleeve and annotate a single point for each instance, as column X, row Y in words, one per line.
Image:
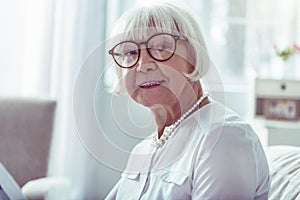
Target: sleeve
column 229, row 170
column 112, row 195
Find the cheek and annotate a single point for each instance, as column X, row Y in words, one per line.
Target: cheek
column 183, row 63
column 180, row 64
column 176, row 80
column 187, row 67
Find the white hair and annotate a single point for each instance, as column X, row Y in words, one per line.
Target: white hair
column 163, row 17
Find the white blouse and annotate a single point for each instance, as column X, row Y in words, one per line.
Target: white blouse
column 211, row 155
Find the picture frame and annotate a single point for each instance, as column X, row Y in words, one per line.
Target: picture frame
column 281, row 109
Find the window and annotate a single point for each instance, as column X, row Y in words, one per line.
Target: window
column 241, row 33
column 224, row 24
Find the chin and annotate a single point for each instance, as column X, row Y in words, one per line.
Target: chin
column 150, row 98
column 153, row 103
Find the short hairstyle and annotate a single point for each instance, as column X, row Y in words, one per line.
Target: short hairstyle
column 163, row 17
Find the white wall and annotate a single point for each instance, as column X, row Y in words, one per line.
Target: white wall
column 12, row 35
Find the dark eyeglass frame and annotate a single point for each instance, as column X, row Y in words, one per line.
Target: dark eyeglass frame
column 176, row 37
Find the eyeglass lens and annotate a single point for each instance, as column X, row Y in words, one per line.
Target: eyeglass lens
column 160, row 47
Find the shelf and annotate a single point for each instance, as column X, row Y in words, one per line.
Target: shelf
column 277, row 99
column 282, row 124
column 272, row 88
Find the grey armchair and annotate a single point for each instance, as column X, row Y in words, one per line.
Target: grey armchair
column 26, row 126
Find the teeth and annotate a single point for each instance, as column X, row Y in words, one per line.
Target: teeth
column 149, row 84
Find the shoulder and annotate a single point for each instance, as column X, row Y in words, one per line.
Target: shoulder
column 231, row 153
column 228, row 141
column 144, row 146
column 221, row 128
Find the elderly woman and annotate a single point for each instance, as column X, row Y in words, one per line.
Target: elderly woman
column 200, row 149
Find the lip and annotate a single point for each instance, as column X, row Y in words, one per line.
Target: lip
column 150, row 84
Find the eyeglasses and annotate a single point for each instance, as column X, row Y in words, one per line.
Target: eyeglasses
column 160, row 47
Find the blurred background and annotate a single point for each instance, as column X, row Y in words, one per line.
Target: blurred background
column 45, row 42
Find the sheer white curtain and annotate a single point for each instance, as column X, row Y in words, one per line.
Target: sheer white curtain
column 59, row 36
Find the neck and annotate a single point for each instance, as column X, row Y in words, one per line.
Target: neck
column 166, row 115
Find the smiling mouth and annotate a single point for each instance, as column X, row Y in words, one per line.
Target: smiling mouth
column 150, row 84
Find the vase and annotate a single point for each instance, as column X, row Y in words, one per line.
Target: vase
column 285, row 69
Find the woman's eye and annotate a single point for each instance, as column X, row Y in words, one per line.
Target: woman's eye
column 163, row 47
column 131, row 53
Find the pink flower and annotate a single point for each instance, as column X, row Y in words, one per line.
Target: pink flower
column 297, row 48
column 286, row 52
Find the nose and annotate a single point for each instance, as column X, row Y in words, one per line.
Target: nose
column 146, row 62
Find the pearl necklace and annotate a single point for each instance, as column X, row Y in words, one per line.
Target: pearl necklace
column 170, row 130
